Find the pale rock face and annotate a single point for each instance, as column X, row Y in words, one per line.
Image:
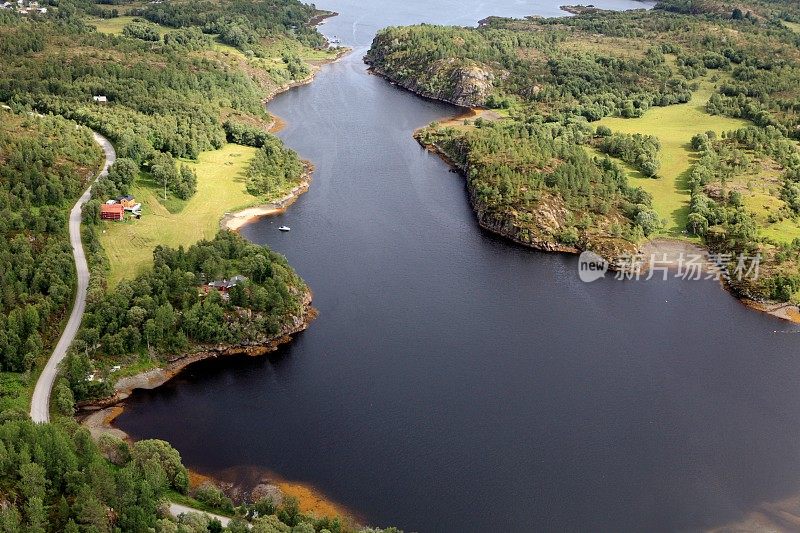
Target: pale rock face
column 463, row 85
column 471, row 86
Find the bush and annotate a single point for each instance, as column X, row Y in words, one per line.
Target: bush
column 212, row 496
column 602, row 131
column 639, row 150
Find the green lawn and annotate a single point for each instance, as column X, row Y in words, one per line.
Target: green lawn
column 220, row 189
column 113, row 26
column 674, row 126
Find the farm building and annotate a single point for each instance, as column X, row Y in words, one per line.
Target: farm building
column 112, row 212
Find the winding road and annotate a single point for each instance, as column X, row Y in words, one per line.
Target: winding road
column 40, row 402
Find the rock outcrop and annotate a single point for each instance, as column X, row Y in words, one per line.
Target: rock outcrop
column 465, row 84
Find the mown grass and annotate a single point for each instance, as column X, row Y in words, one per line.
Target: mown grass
column 794, row 26
column 674, row 126
column 129, row 245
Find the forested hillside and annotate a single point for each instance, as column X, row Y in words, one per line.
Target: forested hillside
column 171, row 95
column 533, row 163
column 45, row 164
column 56, row 478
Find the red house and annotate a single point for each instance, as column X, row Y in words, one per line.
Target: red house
column 112, row 212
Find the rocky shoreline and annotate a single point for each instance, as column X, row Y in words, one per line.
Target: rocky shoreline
column 468, row 98
column 493, row 223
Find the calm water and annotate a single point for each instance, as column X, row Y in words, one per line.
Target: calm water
column 455, row 382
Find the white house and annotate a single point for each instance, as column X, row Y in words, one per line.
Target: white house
column 100, row 99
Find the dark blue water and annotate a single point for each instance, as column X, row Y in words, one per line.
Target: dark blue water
column 456, row 382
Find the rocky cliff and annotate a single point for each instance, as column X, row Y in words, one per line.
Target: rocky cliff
column 464, row 83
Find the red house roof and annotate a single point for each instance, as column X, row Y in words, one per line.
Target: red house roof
column 113, row 211
column 112, row 208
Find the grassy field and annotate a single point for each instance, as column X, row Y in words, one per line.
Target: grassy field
column 113, row 26
column 794, row 26
column 674, row 126
column 220, row 189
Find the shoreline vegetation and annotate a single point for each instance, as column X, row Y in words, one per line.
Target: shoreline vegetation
column 98, row 415
column 532, row 92
column 155, row 377
column 234, row 221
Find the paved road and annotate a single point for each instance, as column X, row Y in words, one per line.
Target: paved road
column 40, row 403
column 177, row 509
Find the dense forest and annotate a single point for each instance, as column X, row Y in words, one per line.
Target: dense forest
column 45, row 164
column 169, row 94
column 240, row 24
column 273, row 169
column 532, row 168
column 56, row 478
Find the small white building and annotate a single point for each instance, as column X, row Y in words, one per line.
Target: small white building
column 100, row 99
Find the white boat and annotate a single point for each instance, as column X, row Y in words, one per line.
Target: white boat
column 285, row 228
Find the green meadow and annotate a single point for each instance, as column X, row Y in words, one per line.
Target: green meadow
column 674, row 126
column 129, row 245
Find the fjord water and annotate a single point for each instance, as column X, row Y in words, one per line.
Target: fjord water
column 456, row 382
